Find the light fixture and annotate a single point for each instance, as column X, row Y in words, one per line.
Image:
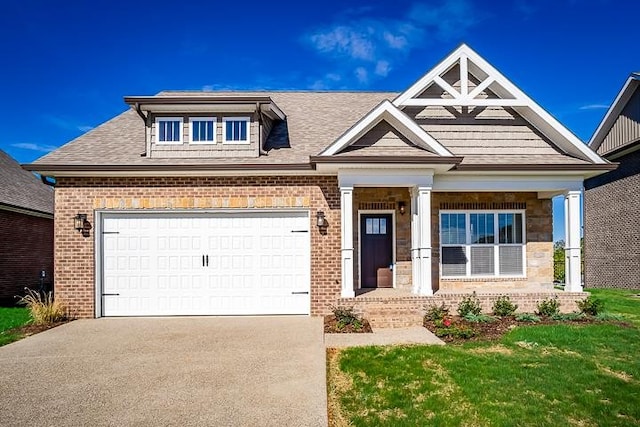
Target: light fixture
column 402, row 206
column 321, row 221
column 81, row 224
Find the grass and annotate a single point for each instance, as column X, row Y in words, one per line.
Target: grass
column 12, row 317
column 545, row 375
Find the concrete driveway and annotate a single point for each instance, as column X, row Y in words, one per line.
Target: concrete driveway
column 204, row 371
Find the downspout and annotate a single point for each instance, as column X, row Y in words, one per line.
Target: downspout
column 261, row 151
column 145, row 119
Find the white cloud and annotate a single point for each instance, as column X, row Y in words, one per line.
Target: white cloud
column 86, row 128
column 367, row 47
column 594, row 107
column 34, row 147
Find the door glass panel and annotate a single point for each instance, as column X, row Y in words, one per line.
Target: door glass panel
column 383, row 226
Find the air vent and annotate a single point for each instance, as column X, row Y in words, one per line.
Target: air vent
column 376, row 206
column 482, row 205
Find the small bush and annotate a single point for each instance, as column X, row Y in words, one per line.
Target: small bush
column 479, row 318
column 568, row 317
column 469, row 304
column 548, row 307
column 436, row 312
column 346, row 316
column 608, row 317
column 455, row 332
column 43, row 309
column 527, row 317
column 504, row 307
column 591, row 306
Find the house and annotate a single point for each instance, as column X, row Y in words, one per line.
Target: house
column 293, row 202
column 612, row 200
column 26, row 230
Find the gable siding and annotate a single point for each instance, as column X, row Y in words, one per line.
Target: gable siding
column 626, row 128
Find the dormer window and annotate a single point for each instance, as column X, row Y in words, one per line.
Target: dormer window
column 236, row 130
column 203, row 130
column 169, row 130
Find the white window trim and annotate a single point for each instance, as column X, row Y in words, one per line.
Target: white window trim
column 169, row 119
column 235, row 119
column 203, row 119
column 496, row 245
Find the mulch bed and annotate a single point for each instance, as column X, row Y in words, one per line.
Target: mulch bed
column 28, row 330
column 331, row 327
column 491, row 331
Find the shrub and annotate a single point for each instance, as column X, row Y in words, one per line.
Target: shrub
column 43, row 309
column 436, row 312
column 469, row 304
column 463, row 332
column 504, row 307
column 346, row 316
column 479, row 318
column 548, row 307
column 568, row 317
column 607, row 317
column 591, row 306
column 527, row 317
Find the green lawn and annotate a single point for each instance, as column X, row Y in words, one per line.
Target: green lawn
column 11, row 318
column 551, row 375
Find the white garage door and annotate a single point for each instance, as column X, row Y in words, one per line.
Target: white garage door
column 207, row 264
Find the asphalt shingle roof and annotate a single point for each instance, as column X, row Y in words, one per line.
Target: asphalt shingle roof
column 22, row 189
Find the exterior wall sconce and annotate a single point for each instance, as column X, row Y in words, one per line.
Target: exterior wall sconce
column 321, row 221
column 402, row 207
column 82, row 225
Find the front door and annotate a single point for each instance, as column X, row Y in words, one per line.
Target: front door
column 376, row 237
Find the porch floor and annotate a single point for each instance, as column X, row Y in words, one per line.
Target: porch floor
column 399, row 293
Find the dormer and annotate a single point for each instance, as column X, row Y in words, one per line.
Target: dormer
column 203, row 125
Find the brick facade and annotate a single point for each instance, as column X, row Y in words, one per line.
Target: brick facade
column 611, row 226
column 26, row 249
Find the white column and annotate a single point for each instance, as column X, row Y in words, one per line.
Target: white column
column 346, row 208
column 572, row 262
column 415, row 243
column 422, row 197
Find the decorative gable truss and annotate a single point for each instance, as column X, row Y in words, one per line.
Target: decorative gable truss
column 481, row 85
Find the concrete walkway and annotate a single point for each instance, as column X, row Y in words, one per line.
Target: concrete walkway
column 203, row 371
column 394, row 336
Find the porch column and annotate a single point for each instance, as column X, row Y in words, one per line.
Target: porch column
column 346, row 221
column 572, row 262
column 422, row 198
column 415, row 243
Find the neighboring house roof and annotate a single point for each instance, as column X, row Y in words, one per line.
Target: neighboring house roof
column 463, row 114
column 620, row 127
column 21, row 189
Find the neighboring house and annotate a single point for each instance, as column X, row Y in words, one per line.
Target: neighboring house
column 292, row 202
column 612, row 200
column 26, row 230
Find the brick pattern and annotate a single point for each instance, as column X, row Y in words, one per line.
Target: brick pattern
column 611, row 227
column 405, row 311
column 539, row 236
column 74, row 254
column 26, row 249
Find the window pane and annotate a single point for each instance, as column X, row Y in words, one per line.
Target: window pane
column 176, row 131
column 454, row 261
column 376, row 226
column 243, row 131
column 210, row 131
column 162, row 131
column 383, row 226
column 453, row 229
column 481, row 228
column 517, row 229
column 506, row 228
column 482, row 260
column 510, row 260
column 444, row 229
column 369, row 226
column 229, row 130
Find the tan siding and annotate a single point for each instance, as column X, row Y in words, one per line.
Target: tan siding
column 626, row 128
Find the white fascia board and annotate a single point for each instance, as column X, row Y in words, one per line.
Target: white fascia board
column 532, row 183
column 385, row 178
column 403, row 123
column 614, row 110
column 337, row 168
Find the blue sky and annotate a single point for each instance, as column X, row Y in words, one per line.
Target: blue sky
column 67, row 64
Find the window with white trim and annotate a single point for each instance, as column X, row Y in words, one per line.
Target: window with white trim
column 235, row 130
column 168, row 130
column 482, row 243
column 202, row 130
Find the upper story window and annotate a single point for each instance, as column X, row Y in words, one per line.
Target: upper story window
column 236, row 130
column 203, row 130
column 169, row 130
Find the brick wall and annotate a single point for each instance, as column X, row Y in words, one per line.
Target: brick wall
column 74, row 254
column 539, row 236
column 26, row 248
column 612, row 227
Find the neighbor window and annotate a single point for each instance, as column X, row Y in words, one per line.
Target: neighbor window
column 169, row 130
column 477, row 244
column 203, row 130
column 236, row 130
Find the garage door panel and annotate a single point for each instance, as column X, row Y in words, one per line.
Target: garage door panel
column 255, row 262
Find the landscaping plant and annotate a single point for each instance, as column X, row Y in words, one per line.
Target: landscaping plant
column 43, row 308
column 347, row 316
column 469, row 304
column 548, row 307
column 527, row 317
column 591, row 306
column 436, row 312
column 504, row 307
column 479, row 318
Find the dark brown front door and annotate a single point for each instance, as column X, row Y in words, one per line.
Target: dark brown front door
column 376, row 237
